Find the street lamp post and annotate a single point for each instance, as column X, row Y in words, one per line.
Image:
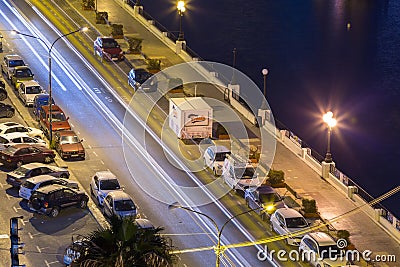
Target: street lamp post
column 181, row 9
column 218, row 249
column 264, row 101
column 83, row 29
column 330, row 122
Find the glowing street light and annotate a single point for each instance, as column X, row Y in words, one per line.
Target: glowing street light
column 330, row 122
column 83, row 29
column 181, row 9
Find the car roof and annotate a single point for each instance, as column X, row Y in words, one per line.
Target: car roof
column 14, row 135
column 66, row 133
column 105, row 175
column 289, row 213
column 54, row 108
column 9, row 124
column 34, row 165
column 31, row 83
column 144, row 223
column 265, row 189
column 323, row 239
column 106, row 37
column 218, row 149
column 49, row 188
column 119, row 195
column 41, row 178
column 21, row 67
column 13, row 57
column 42, row 96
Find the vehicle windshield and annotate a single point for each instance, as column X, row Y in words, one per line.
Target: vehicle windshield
column 21, row 170
column 124, row 205
column 38, row 195
column 298, row 222
column 109, row 43
column 142, row 76
column 269, row 198
column 245, row 173
column 221, row 156
column 111, row 184
column 58, row 117
column 10, row 150
column 329, row 252
column 16, row 63
column 69, row 140
column 28, row 185
column 33, row 90
column 24, row 73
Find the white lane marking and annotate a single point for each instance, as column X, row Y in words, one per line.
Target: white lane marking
column 89, row 146
column 95, row 154
column 38, row 249
column 260, row 224
column 102, row 162
column 4, row 236
column 16, row 209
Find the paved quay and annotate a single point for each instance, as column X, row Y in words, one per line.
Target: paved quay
column 365, row 233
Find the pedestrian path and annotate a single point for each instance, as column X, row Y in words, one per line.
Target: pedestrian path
column 365, row 233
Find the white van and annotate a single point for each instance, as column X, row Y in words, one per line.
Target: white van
column 214, row 157
column 239, row 174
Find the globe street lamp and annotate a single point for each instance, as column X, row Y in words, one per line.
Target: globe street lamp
column 83, row 29
column 218, row 249
column 181, row 9
column 330, row 122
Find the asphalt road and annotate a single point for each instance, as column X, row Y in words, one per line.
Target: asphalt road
column 93, row 94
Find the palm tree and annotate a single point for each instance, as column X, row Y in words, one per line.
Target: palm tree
column 125, row 244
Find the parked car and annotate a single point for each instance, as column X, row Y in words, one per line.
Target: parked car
column 144, row 223
column 59, row 121
column 68, row 145
column 13, row 127
column 263, row 199
column 102, row 183
column 6, row 110
column 28, row 90
column 33, row 184
column 51, row 199
column 142, row 79
column 320, row 249
column 9, row 63
column 239, row 174
column 214, row 157
column 107, row 48
column 19, row 175
column 3, row 91
column 10, row 139
column 17, row 155
column 286, row 221
column 39, row 101
column 20, row 74
column 120, row 204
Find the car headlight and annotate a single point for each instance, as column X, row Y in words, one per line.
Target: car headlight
column 327, row 265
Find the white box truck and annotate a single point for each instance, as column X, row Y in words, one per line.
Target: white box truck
column 190, row 117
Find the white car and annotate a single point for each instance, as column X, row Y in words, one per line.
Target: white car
column 10, row 139
column 34, row 183
column 28, row 90
column 320, row 249
column 9, row 63
column 13, row 127
column 285, row 221
column 214, row 157
column 102, row 183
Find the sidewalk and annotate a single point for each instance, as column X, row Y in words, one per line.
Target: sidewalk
column 365, row 233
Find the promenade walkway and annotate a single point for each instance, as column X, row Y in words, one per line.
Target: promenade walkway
column 365, row 233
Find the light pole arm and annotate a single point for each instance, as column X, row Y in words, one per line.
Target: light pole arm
column 200, row 213
column 62, row 36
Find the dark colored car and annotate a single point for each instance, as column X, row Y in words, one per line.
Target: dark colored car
column 17, row 155
column 6, row 110
column 263, row 199
column 19, row 175
column 137, row 79
column 3, row 91
column 39, row 101
column 107, row 48
column 51, row 199
column 68, row 145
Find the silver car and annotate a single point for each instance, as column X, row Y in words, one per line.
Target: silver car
column 120, row 204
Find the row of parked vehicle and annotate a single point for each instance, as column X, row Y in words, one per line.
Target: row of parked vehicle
column 241, row 175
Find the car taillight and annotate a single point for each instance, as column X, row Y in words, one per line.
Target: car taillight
column 45, row 204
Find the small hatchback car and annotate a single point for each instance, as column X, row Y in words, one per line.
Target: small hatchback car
column 51, row 199
column 214, row 157
column 102, row 183
column 107, row 48
column 120, row 204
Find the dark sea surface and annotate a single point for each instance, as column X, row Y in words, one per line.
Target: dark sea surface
column 342, row 56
